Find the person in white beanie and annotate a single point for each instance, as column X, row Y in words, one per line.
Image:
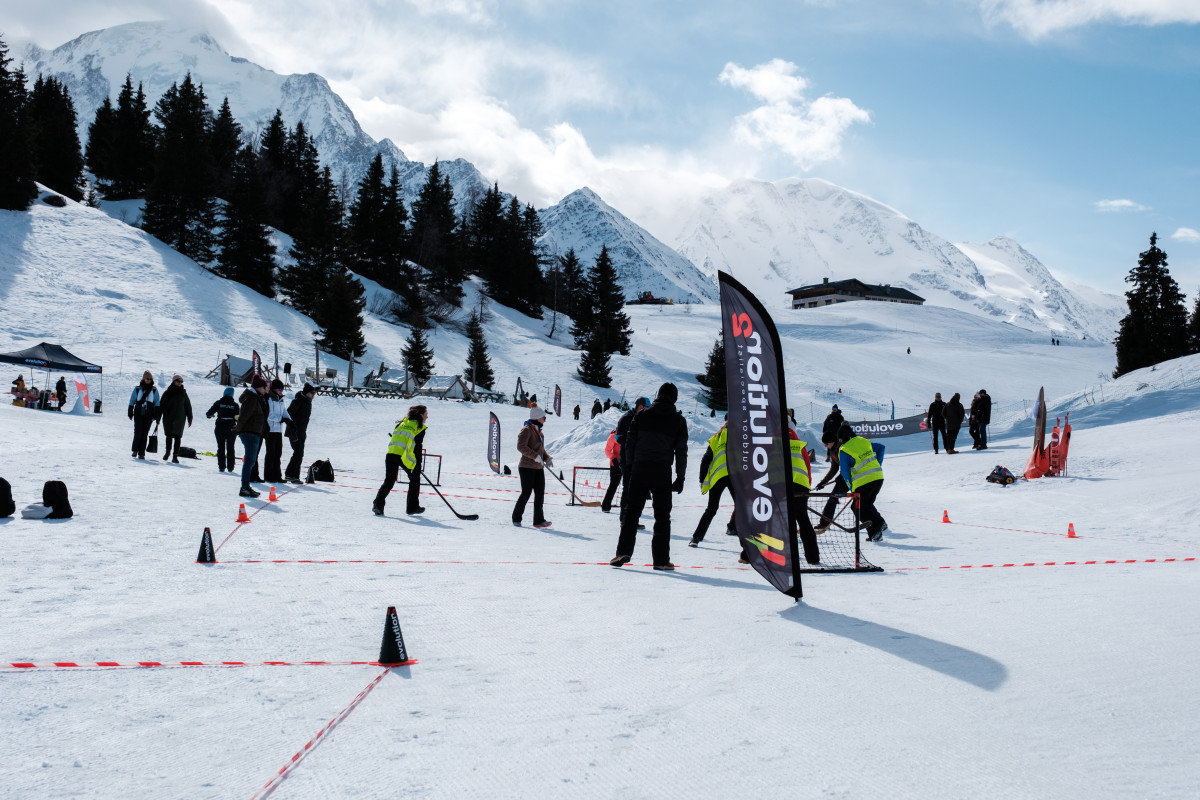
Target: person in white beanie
column 534, row 458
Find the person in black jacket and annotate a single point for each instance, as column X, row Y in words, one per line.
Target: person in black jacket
column 297, row 430
column 616, row 472
column 656, row 437
column 597, row 408
column 953, row 413
column 143, row 410
column 225, row 409
column 935, row 421
column 829, row 430
column 60, row 390
column 983, row 417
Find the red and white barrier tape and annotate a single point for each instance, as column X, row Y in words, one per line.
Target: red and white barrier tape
column 87, row 665
column 272, row 784
column 238, row 526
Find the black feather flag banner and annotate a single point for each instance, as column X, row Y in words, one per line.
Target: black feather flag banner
column 494, row 443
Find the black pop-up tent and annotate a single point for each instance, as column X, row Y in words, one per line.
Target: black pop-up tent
column 52, row 358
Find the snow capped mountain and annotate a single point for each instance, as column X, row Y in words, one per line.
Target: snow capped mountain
column 778, row 236
column 158, row 54
column 583, row 221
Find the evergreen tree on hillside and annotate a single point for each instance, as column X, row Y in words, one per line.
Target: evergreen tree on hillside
column 56, row 150
column 180, row 207
column 418, row 355
column 593, row 364
column 17, row 189
column 396, row 271
column 226, row 145
column 246, row 253
column 1155, row 329
column 479, row 367
column 483, row 235
column 307, row 186
column 1194, row 327
column 433, row 238
column 129, row 154
column 341, row 316
column 717, row 396
column 101, row 137
column 317, row 250
column 272, row 168
column 608, row 304
column 574, row 284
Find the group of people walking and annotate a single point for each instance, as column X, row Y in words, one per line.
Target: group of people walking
column 945, row 420
column 260, row 415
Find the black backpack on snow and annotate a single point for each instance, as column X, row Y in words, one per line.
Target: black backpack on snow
column 54, row 495
column 186, row 452
column 319, row 471
column 7, row 506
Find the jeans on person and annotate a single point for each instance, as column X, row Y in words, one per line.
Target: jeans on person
column 250, row 445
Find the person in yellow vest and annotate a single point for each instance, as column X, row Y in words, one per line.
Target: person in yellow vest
column 714, row 480
column 798, row 499
column 404, row 452
column 861, row 464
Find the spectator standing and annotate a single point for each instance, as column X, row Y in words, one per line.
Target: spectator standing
column 404, row 452
column 829, row 429
column 576, row 412
column 983, row 417
column 276, row 415
column 143, row 410
column 973, row 422
column 534, row 458
column 299, row 413
column 953, row 414
column 225, row 409
column 623, row 424
column 176, row 409
column 935, row 421
column 656, row 437
column 60, row 390
column 597, row 408
column 250, row 421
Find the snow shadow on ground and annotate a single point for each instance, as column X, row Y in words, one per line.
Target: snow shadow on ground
column 948, row 659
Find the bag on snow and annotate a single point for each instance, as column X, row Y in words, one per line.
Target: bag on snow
column 319, row 471
column 152, row 441
column 186, row 452
column 7, row 506
column 54, row 495
column 1001, row 475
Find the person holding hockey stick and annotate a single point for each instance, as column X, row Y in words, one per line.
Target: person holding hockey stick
column 714, row 480
column 534, row 458
column 861, row 464
column 404, row 451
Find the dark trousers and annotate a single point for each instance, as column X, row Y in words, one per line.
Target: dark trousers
column 141, row 429
column 951, row 436
column 710, row 511
column 983, row 435
column 867, row 512
column 649, row 480
column 167, row 441
column 271, row 470
column 225, row 440
column 614, row 480
column 250, row 448
column 839, row 488
column 973, row 428
column 798, row 505
column 293, row 467
column 391, row 471
column 934, row 431
column 532, row 481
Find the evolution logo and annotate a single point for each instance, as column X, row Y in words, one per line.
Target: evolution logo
column 890, row 427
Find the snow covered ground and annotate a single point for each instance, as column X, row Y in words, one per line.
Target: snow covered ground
column 994, row 657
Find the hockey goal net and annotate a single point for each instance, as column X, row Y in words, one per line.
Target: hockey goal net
column 591, row 484
column 837, row 534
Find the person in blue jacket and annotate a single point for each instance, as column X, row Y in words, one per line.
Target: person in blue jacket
column 143, row 410
column 861, row 463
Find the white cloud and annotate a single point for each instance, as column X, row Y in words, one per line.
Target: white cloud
column 808, row 132
column 1038, row 18
column 1119, row 205
column 1186, row 235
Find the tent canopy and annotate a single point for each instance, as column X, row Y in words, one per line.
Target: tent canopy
column 49, row 357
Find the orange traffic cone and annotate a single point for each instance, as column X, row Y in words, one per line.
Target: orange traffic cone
column 585, row 481
column 598, row 486
column 242, row 516
column 1071, row 531
column 272, row 498
column 945, row 516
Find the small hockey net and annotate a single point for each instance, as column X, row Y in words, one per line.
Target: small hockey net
column 838, row 544
column 431, row 465
column 591, row 484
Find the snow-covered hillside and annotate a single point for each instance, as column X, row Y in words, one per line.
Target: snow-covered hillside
column 584, row 222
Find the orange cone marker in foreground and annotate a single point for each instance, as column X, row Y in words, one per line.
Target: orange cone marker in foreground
column 1071, row 531
column 242, row 517
column 272, row 498
column 945, row 516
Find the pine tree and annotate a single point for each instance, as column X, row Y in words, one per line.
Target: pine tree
column 180, row 206
column 1194, row 327
column 17, row 189
column 1155, row 329
column 317, row 249
column 56, row 150
column 418, row 355
column 479, row 368
column 608, row 304
column 226, row 145
column 246, row 253
column 102, row 133
column 341, row 316
column 483, row 234
column 714, row 377
column 131, row 154
column 593, row 364
column 434, row 238
column 272, row 169
column 574, row 284
column 368, row 240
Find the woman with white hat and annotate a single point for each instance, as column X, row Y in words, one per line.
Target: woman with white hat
column 531, row 446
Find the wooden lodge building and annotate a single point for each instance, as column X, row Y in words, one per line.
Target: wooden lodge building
column 826, row 294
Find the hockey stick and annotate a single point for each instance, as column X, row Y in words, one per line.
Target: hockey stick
column 447, row 502
column 588, row 503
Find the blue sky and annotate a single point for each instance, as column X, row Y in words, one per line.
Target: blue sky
column 1071, row 125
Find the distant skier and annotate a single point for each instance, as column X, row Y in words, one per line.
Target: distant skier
column 175, row 409
column 934, row 420
column 225, row 409
column 404, row 452
column 534, row 459
column 143, row 410
column 861, row 464
column 953, row 414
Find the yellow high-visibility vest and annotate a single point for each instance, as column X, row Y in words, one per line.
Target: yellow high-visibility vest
column 717, row 468
column 866, row 467
column 800, row 475
column 403, row 442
